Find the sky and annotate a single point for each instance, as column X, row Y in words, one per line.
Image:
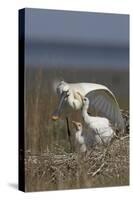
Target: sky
column 76, row 38
column 77, row 26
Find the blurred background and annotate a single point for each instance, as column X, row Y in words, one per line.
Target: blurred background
column 95, row 46
column 75, row 47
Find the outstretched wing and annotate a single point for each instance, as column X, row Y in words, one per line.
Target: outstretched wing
column 104, row 104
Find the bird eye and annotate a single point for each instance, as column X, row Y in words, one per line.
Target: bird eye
column 84, row 99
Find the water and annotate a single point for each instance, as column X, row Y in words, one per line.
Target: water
column 76, row 55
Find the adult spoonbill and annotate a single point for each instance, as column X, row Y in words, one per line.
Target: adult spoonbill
column 83, row 138
column 100, row 125
column 102, row 101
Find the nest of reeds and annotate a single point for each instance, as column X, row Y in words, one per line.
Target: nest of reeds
column 101, row 166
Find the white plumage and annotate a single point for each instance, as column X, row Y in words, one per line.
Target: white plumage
column 87, row 138
column 83, row 88
column 102, row 101
column 80, row 139
column 100, row 125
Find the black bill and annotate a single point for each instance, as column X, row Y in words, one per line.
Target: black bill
column 62, row 101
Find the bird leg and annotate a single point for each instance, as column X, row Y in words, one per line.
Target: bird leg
column 69, row 133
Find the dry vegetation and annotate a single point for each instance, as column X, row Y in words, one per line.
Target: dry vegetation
column 100, row 167
column 50, row 163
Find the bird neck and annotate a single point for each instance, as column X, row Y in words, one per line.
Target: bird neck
column 85, row 115
column 78, row 133
column 84, row 109
column 73, row 102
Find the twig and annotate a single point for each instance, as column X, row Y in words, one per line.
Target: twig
column 122, row 138
column 101, row 139
column 98, row 170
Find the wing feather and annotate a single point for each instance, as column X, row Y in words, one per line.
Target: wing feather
column 106, row 105
column 113, row 114
column 97, row 103
column 103, row 103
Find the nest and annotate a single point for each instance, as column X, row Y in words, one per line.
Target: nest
column 101, row 166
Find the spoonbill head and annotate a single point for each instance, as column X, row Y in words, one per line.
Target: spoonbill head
column 77, row 125
column 85, row 101
column 67, row 95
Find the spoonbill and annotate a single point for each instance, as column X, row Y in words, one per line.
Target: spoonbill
column 100, row 125
column 102, row 101
column 86, row 138
column 80, row 137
